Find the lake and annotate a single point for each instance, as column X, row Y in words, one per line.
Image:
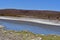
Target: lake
column 32, row 27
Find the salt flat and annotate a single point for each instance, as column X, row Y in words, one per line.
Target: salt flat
column 42, row 21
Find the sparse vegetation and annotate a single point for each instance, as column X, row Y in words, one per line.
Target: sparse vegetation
column 25, row 35
column 31, row 13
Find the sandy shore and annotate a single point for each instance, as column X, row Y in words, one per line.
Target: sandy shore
column 42, row 21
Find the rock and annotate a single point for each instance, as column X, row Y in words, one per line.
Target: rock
column 1, row 27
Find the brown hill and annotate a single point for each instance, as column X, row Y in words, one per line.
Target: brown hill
column 44, row 14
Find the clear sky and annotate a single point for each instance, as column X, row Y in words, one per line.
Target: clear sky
column 31, row 4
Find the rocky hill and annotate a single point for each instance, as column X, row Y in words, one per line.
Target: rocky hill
column 44, row 14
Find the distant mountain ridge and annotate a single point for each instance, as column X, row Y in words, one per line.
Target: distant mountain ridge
column 44, row 14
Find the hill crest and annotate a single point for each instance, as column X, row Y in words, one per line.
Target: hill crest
column 44, row 14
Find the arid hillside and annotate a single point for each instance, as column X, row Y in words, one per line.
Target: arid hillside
column 44, row 14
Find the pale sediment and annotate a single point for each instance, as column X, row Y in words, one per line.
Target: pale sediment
column 36, row 20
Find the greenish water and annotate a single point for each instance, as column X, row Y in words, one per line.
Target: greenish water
column 32, row 27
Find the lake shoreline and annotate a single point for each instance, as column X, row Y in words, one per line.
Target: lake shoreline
column 25, row 35
column 43, row 21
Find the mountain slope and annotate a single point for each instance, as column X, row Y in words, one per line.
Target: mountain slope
column 44, row 14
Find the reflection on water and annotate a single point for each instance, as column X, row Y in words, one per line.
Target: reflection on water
column 33, row 27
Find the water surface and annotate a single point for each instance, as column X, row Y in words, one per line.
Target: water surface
column 32, row 27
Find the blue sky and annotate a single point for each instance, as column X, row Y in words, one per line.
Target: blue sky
column 31, row 4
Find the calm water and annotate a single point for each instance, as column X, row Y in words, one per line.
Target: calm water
column 32, row 27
